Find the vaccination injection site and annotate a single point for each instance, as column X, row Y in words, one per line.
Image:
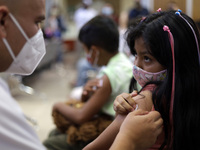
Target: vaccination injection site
column 99, row 74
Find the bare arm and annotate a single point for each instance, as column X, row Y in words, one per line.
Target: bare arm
column 105, row 140
column 91, row 107
column 90, row 88
column 139, row 131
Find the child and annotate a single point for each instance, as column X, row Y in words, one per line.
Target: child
column 100, row 40
column 166, row 46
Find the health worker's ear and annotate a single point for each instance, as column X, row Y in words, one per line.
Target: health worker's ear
column 3, row 16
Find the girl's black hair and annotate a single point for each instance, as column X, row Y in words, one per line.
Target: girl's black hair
column 186, row 111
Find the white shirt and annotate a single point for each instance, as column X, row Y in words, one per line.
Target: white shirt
column 15, row 132
column 83, row 15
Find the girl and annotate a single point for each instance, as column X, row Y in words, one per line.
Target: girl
column 166, row 46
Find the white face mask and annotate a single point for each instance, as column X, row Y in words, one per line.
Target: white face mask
column 95, row 60
column 107, row 11
column 30, row 55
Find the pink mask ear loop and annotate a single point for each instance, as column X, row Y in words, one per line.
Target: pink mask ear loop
column 171, row 39
column 178, row 13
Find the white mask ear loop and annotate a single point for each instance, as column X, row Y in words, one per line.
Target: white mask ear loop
column 9, row 48
column 96, row 58
column 18, row 26
column 90, row 53
column 21, row 30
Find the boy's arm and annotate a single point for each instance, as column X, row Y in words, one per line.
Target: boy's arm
column 90, row 88
column 90, row 108
column 106, row 138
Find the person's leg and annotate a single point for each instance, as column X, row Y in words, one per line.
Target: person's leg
column 59, row 142
column 54, row 132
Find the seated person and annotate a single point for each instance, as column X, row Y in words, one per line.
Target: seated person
column 158, row 68
column 100, row 40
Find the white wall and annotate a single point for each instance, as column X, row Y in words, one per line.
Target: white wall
column 189, row 7
column 149, row 4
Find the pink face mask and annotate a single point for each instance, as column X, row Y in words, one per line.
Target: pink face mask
column 143, row 77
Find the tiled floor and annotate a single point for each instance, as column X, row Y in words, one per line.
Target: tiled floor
column 51, row 85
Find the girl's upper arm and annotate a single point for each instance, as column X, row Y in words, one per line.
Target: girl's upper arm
column 144, row 100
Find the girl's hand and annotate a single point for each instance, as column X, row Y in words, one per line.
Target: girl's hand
column 124, row 103
column 90, row 88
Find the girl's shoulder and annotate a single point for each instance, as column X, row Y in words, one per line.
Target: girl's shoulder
column 144, row 100
column 149, row 87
